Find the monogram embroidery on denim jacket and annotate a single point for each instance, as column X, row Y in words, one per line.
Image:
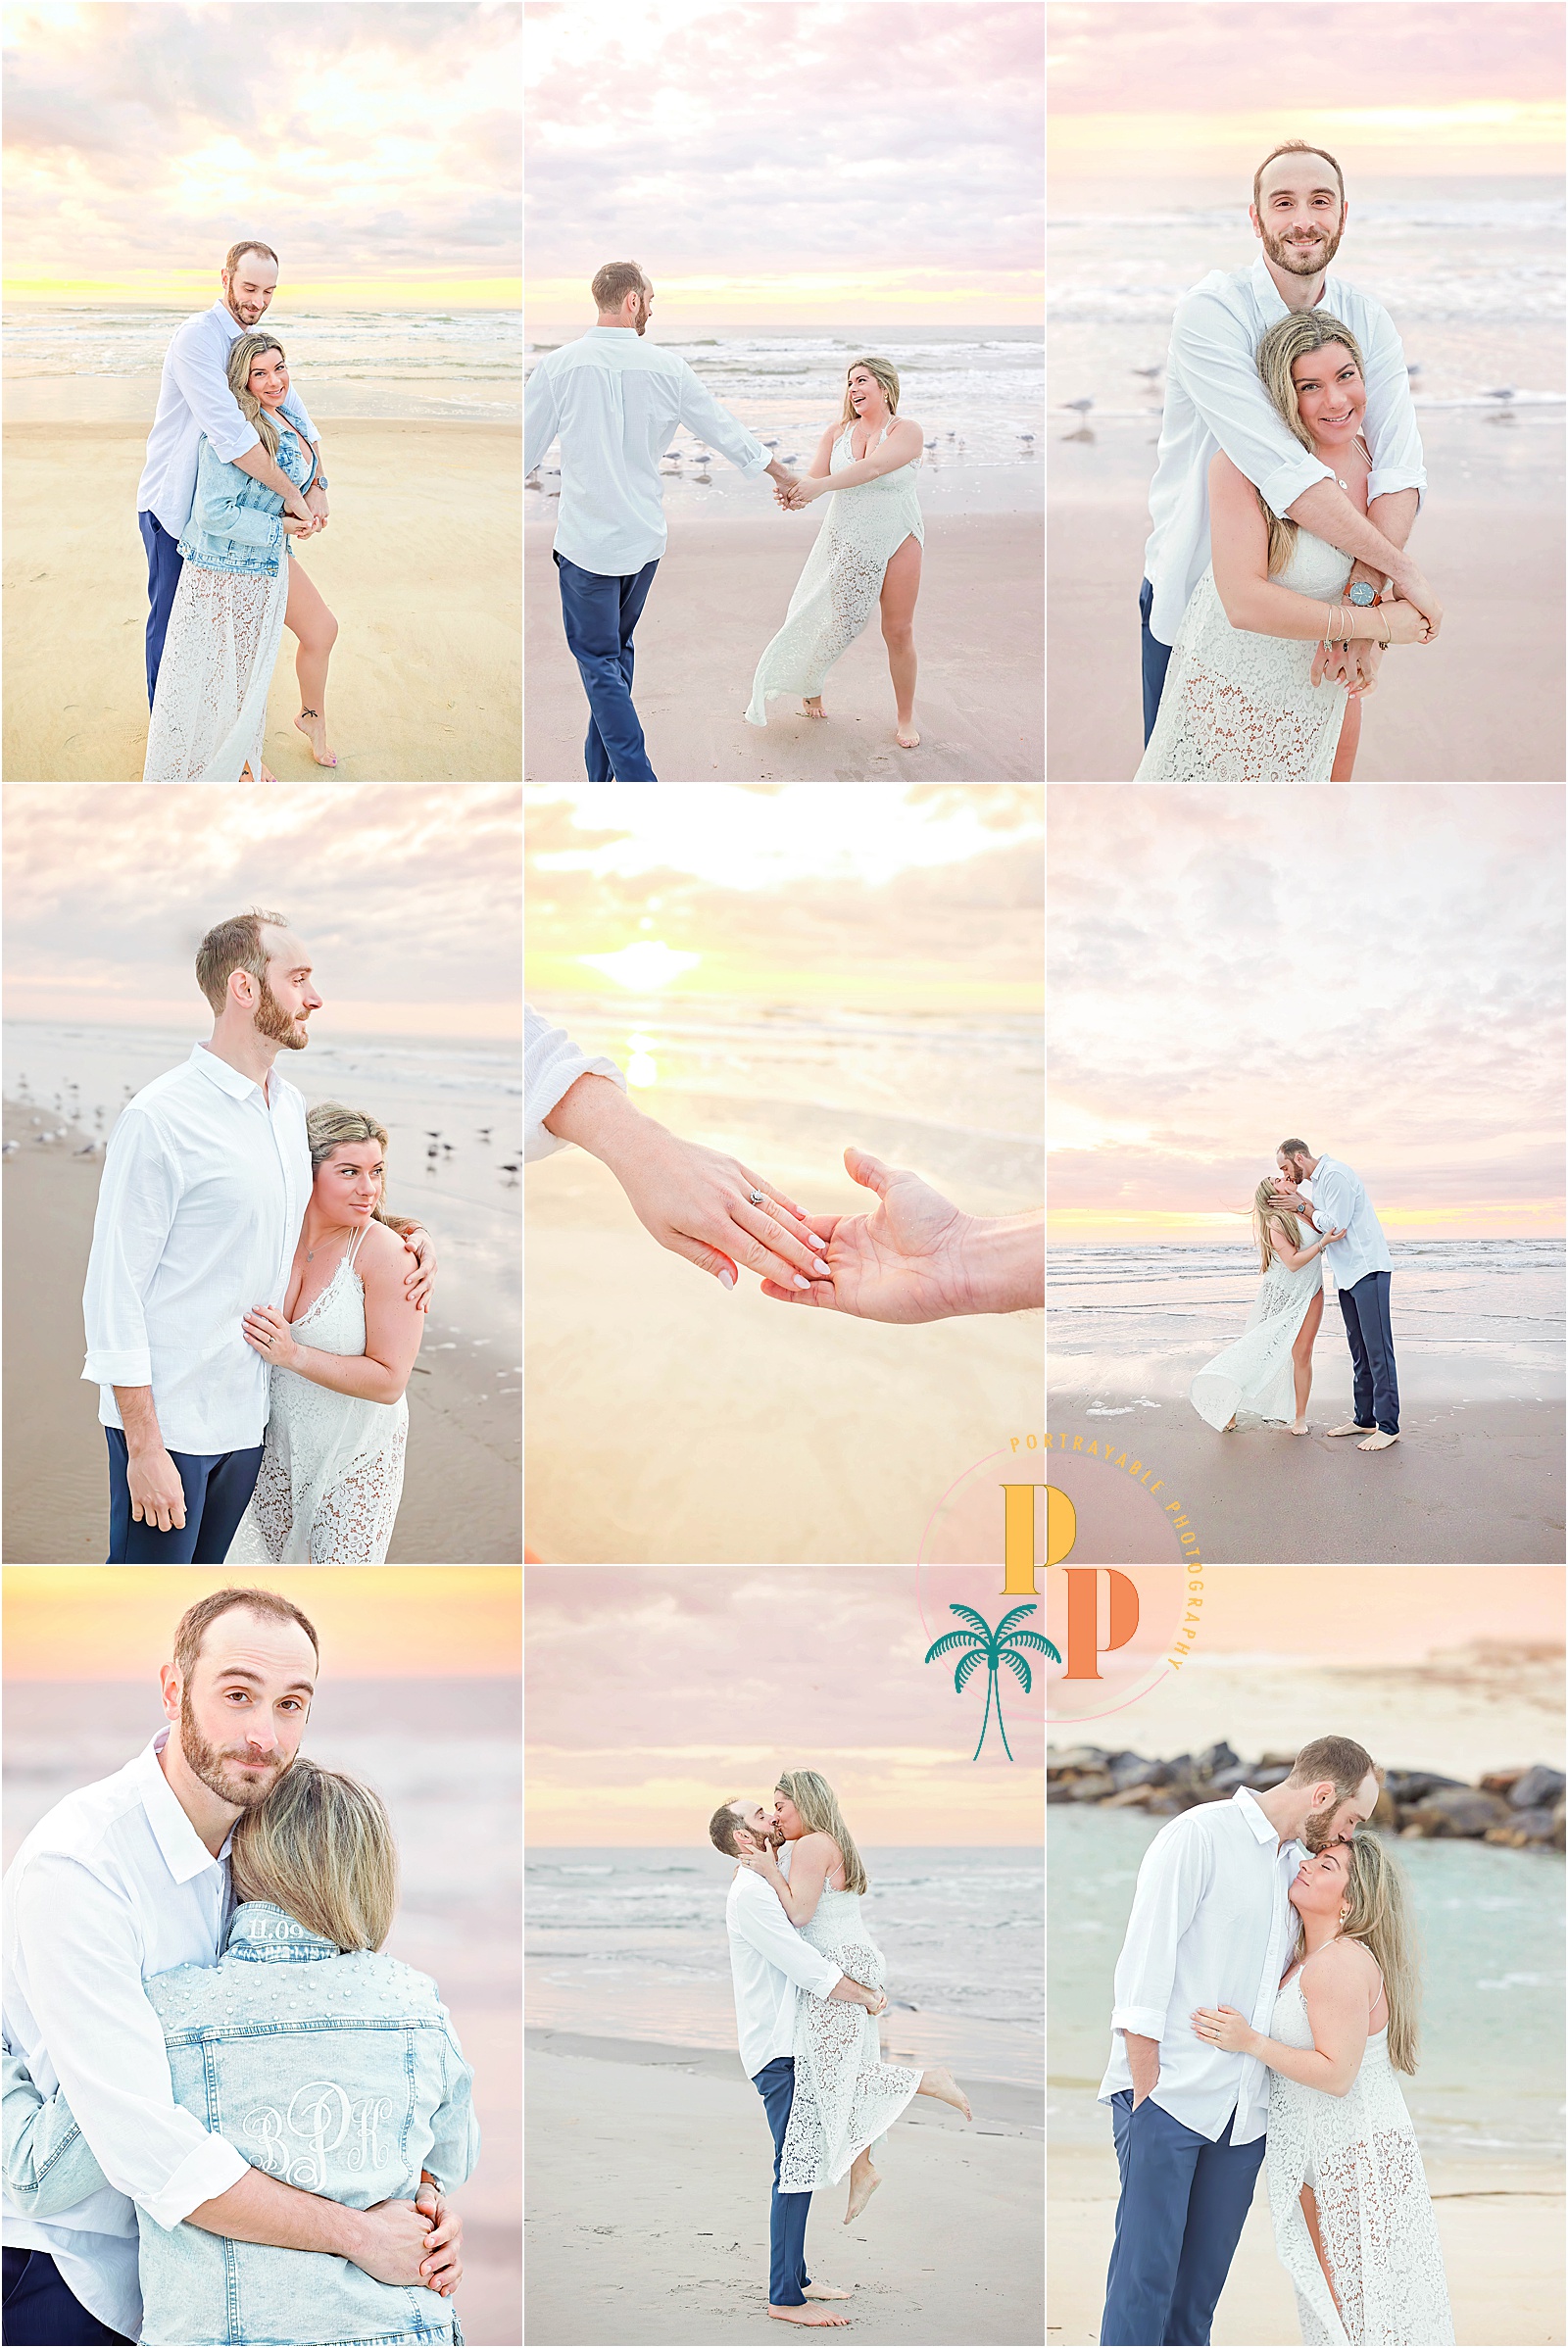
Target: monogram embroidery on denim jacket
column 321, row 2119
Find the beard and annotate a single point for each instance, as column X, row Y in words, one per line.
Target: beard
column 215, row 1767
column 274, row 1021
column 1317, row 1835
column 1290, row 257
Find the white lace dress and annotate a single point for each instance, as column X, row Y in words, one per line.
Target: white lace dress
column 209, row 715
column 1359, row 2155
column 1254, row 1378
column 846, row 2097
column 1239, row 708
column 837, row 592
column 332, row 1467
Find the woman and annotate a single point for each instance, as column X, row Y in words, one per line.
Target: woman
column 846, row 2097
column 325, row 2063
column 341, row 1352
column 1352, row 2216
column 868, row 551
column 1256, row 1373
column 236, row 590
column 1240, row 701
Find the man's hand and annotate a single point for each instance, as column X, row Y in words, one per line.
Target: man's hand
column 293, row 527
column 316, row 501
column 1413, row 589
column 920, row 1257
column 294, row 504
column 1142, row 2061
column 157, row 1495
column 443, row 2267
column 417, row 1279
column 391, row 2241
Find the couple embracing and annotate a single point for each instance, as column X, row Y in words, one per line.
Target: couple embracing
column 1266, row 1997
column 808, row 1985
column 233, row 474
column 615, row 401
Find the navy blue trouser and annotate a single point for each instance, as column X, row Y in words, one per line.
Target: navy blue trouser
column 1184, row 2202
column 218, row 1489
column 1156, row 659
column 39, row 2308
column 165, row 562
column 1371, row 1333
column 787, row 2277
column 599, row 614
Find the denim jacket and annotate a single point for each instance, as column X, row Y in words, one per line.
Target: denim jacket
column 234, row 521
column 341, row 2075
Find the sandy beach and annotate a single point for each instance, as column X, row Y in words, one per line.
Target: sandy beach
column 419, row 564
column 1479, row 1483
column 461, row 1495
column 722, row 590
column 1484, row 704
column 1501, row 2229
column 670, row 1420
column 647, row 2210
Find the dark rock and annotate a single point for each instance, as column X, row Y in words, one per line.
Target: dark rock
column 1414, row 1784
column 1454, row 1811
column 1059, row 1793
column 1538, row 1789
column 1219, row 1756
column 1524, row 1828
column 1092, row 1787
column 1077, row 1757
column 1128, row 1771
column 1170, row 1801
column 1386, row 1813
column 1259, row 1778
column 1501, row 1781
column 1284, row 1761
column 1132, row 1798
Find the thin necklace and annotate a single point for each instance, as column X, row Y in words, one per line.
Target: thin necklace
column 309, row 1252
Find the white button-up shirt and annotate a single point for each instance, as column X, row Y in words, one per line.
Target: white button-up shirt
column 194, row 398
column 770, row 1965
column 1211, row 1926
column 204, row 1189
column 1214, row 398
column 1338, row 1202
column 114, row 1885
column 551, row 1065
column 615, row 400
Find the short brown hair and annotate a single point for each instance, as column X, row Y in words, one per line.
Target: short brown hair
column 614, row 281
column 1292, row 1150
column 322, row 1849
column 196, row 1621
column 251, row 244
column 232, row 946
column 724, row 1827
column 1338, row 1759
column 1293, row 146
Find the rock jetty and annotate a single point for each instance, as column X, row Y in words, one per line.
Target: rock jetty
column 1521, row 1808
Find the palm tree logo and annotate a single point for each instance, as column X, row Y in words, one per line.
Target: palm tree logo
column 993, row 1648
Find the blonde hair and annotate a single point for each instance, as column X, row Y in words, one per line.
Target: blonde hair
column 1287, row 340
column 243, row 353
column 329, row 1126
column 1266, row 1203
column 1377, row 1904
column 886, row 374
column 320, row 1848
column 819, row 1805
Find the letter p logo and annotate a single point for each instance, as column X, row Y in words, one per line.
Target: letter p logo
column 1084, row 1650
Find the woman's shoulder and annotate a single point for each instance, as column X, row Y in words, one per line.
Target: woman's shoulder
column 819, row 1846
column 379, row 1250
column 906, row 424
column 1342, row 1959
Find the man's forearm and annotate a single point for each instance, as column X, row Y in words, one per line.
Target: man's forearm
column 1328, row 514
column 850, row 1993
column 262, row 467
column 139, row 1418
column 263, row 2209
column 1393, row 513
column 1142, row 2061
column 1004, row 1264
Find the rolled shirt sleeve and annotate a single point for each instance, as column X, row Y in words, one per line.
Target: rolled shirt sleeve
column 541, row 416
column 84, row 1987
column 551, row 1065
column 137, row 1199
column 773, row 1936
column 1220, row 377
column 701, row 413
column 1331, row 1202
column 1170, row 1884
column 48, row 2164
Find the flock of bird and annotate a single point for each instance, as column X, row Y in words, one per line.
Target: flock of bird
column 547, row 477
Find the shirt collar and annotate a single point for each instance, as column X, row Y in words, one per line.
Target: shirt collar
column 1248, row 1804
column 261, row 1933
column 184, row 1853
column 1270, row 300
column 228, row 1079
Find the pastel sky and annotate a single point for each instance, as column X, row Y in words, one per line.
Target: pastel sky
column 1208, row 86
column 1375, row 969
column 407, row 897
column 374, row 1622
column 903, row 896
column 652, row 1693
column 373, row 144
column 787, row 161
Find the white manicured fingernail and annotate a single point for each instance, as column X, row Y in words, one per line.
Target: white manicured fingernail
column 801, row 1279
column 822, row 1268
column 728, row 1278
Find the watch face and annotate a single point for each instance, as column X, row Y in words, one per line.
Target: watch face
column 1361, row 593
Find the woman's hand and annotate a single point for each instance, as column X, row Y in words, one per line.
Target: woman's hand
column 1328, row 1237
column 763, row 1862
column 1223, row 2027
column 301, row 530
column 270, row 1335
column 1405, row 623
column 442, row 2265
column 802, row 492
column 698, row 1202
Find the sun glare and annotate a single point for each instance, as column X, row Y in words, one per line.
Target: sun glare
column 643, row 967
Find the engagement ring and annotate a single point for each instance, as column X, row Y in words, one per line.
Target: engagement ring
column 757, row 1197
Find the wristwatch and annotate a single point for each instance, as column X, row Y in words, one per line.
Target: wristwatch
column 320, row 481
column 1363, row 595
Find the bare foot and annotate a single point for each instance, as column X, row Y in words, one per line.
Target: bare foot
column 806, row 2315
column 1378, row 1442
column 1229, row 1427
column 813, row 707
column 945, row 2089
column 246, row 776
column 864, row 2182
column 907, row 737
column 1300, row 1427
column 313, row 728
column 1352, row 1427
column 823, row 2290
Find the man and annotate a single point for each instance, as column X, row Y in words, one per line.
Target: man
column 204, row 1185
column 1211, row 1913
column 125, row 1879
column 194, row 398
column 615, row 401
column 1214, row 398
column 1362, row 1269
column 772, row 1965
